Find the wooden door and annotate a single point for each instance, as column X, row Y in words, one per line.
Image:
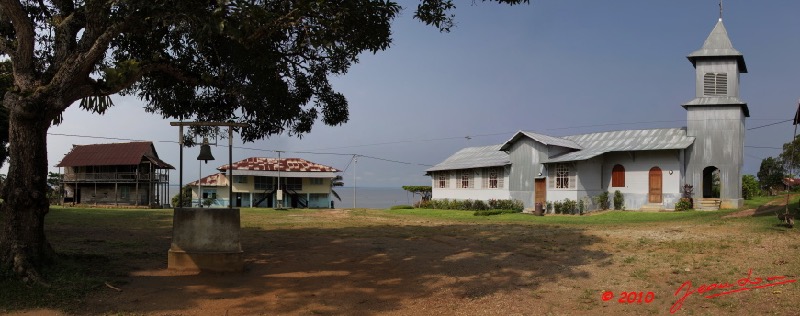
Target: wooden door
column 655, row 193
column 540, row 191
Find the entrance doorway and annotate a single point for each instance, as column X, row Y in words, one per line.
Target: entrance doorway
column 540, row 189
column 711, row 183
column 655, row 194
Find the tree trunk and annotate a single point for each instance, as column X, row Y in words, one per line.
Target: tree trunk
column 23, row 245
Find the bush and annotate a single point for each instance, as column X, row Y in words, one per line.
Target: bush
column 493, row 212
column 750, row 188
column 570, row 206
column 473, row 205
column 401, row 207
column 619, row 200
column 602, row 200
column 684, row 204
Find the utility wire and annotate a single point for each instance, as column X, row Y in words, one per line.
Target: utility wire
column 776, row 123
column 246, row 148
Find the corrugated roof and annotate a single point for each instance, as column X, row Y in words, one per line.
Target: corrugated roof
column 596, row 144
column 114, row 154
column 474, row 157
column 544, row 139
column 718, row 101
column 216, row 180
column 272, row 164
column 718, row 45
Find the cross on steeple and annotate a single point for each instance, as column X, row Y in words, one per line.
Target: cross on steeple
column 720, row 10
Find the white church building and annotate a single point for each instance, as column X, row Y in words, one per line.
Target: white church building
column 650, row 167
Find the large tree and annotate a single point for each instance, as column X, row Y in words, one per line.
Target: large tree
column 262, row 62
column 791, row 155
column 770, row 173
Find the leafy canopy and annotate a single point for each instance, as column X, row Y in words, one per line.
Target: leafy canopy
column 262, row 62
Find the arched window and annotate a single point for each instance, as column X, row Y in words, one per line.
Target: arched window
column 618, row 176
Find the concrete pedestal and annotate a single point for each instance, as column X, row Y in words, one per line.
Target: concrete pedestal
column 731, row 203
column 206, row 239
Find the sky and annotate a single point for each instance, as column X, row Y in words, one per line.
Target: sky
column 553, row 67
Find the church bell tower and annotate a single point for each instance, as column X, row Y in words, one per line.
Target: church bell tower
column 716, row 118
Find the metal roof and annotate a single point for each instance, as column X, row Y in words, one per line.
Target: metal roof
column 214, row 180
column 718, row 101
column 474, row 157
column 544, row 139
column 596, row 144
column 114, row 154
column 272, row 164
column 718, row 45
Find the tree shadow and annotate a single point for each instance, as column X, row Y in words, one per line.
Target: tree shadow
column 357, row 270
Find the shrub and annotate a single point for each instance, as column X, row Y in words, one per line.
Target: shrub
column 479, row 205
column 401, row 207
column 557, row 207
column 750, row 187
column 619, row 200
column 581, row 206
column 683, row 204
column 472, row 205
column 493, row 212
column 602, row 200
column 549, row 206
column 570, row 206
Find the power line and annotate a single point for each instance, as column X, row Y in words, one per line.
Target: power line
column 246, row 148
column 776, row 123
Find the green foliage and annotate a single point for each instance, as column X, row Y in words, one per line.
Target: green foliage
column 619, row 200
column 750, row 188
column 790, row 156
column 54, row 186
column 566, row 206
column 401, row 207
column 601, row 200
column 424, row 191
column 472, row 205
column 770, row 173
column 187, row 197
column 683, row 204
column 493, row 212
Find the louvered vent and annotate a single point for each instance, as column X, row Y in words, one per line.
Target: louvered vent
column 715, row 84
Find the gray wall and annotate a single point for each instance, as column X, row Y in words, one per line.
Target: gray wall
column 729, row 66
column 526, row 156
column 719, row 142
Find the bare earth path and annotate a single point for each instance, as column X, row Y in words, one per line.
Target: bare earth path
column 341, row 262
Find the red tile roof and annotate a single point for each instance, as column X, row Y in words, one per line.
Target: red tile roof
column 217, row 179
column 115, row 154
column 271, row 164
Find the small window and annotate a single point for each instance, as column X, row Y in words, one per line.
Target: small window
column 443, row 177
column 209, row 193
column 618, row 176
column 466, row 179
column 263, row 183
column 493, row 178
column 316, row 181
column 239, row 179
column 715, row 84
column 562, row 176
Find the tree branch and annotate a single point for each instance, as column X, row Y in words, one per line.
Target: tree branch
column 25, row 37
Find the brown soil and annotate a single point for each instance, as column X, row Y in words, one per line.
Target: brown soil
column 362, row 264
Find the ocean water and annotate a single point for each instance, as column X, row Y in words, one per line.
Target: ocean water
column 378, row 198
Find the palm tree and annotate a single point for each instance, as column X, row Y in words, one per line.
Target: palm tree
column 337, row 182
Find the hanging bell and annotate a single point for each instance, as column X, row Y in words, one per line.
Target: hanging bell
column 205, row 151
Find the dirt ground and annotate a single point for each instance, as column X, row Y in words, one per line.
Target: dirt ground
column 365, row 263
